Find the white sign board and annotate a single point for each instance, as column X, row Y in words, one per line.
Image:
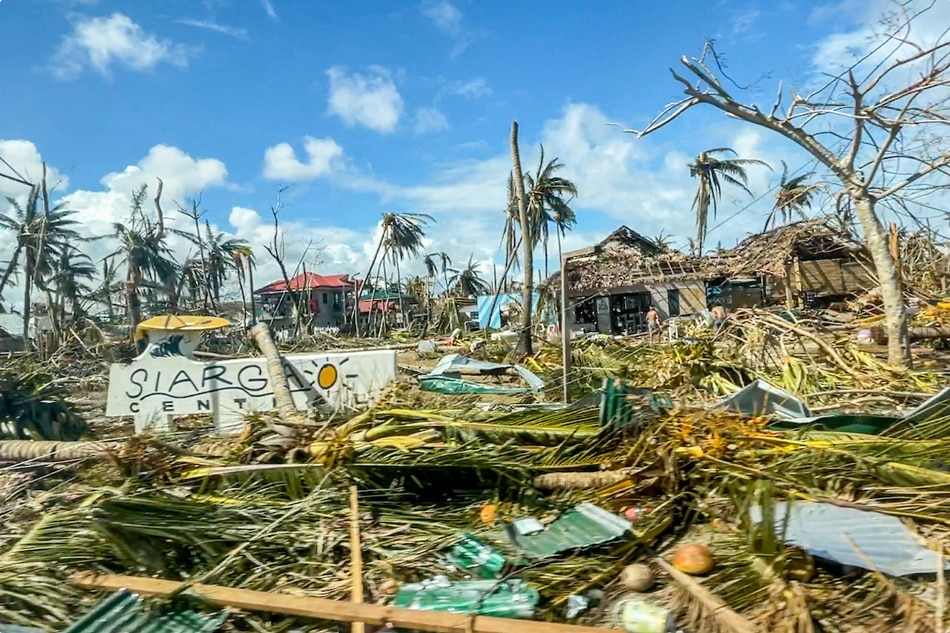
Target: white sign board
column 163, row 382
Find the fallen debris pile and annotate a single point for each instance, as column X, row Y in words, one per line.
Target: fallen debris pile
column 738, row 514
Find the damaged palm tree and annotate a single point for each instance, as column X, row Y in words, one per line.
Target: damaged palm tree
column 278, row 377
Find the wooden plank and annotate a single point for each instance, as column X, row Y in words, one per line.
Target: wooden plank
column 356, row 556
column 323, row 609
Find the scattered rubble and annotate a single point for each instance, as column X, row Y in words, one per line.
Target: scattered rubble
column 776, row 476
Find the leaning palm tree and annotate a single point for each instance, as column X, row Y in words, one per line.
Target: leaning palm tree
column 794, row 195
column 468, row 281
column 403, row 236
column 40, row 234
column 712, row 172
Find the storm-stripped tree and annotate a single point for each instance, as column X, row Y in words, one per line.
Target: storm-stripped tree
column 143, row 249
column 877, row 125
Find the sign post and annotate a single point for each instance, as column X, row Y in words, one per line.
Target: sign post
column 167, row 380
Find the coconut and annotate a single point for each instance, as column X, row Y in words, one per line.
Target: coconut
column 693, row 559
column 637, row 577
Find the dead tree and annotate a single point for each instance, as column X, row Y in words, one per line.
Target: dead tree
column 877, row 126
column 527, row 240
column 276, row 248
column 194, row 214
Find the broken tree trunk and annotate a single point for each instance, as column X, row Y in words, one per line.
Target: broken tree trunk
column 581, row 481
column 42, row 451
column 275, row 369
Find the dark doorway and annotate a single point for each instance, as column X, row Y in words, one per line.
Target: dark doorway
column 628, row 312
column 673, row 302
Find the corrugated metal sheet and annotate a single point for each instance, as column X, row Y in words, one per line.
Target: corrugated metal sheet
column 123, row 612
column 760, row 398
column 852, row 537
column 584, row 526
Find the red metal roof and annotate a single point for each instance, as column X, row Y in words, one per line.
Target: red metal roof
column 307, row 280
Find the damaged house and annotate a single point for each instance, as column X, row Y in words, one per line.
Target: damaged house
column 802, row 264
column 613, row 284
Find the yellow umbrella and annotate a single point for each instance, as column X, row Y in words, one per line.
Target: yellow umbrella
column 183, row 323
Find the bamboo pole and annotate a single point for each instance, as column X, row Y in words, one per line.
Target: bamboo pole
column 565, row 330
column 324, row 609
column 356, row 556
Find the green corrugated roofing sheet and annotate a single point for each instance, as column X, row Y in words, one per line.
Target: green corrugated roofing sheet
column 124, row 612
column 584, row 526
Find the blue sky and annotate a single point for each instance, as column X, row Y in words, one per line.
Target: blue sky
column 367, row 107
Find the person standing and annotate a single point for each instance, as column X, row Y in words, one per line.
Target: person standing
column 653, row 323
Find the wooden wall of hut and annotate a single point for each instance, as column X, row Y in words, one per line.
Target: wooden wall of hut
column 824, row 278
column 691, row 296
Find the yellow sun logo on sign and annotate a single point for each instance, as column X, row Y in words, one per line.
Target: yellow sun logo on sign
column 327, row 376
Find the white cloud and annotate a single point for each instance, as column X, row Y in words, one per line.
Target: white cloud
column 621, row 181
column 24, row 161
column 104, row 42
column 97, row 210
column 211, row 25
column 444, row 15
column 448, row 19
column 473, row 88
column 429, row 120
column 370, row 100
column 323, row 157
column 865, row 40
column 183, row 175
column 744, row 21
column 269, row 8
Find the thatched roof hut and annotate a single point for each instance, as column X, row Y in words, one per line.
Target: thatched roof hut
column 626, row 258
column 772, row 252
column 807, row 259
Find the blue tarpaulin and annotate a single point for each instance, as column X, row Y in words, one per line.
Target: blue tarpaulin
column 484, row 305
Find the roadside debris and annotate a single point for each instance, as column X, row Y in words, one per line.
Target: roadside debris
column 635, row 506
column 446, row 377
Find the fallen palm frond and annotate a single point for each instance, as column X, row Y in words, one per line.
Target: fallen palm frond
column 268, row 509
column 432, row 448
column 796, row 355
column 33, row 406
